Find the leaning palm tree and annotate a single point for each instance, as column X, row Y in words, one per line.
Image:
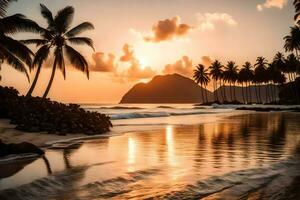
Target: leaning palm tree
column 260, row 73
column 201, row 76
column 216, row 74
column 231, row 76
column 12, row 51
column 58, row 36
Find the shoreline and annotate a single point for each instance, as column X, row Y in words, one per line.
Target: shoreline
column 8, row 133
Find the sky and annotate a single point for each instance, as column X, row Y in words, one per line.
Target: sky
column 137, row 39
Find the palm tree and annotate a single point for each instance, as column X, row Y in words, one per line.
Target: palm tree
column 216, row 74
column 249, row 75
column 292, row 41
column 260, row 73
column 292, row 66
column 277, row 67
column 58, row 36
column 12, row 51
column 231, row 76
column 201, row 76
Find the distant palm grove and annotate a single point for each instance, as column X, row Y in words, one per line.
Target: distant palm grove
column 281, row 71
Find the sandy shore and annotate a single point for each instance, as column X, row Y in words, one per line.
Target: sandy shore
column 8, row 134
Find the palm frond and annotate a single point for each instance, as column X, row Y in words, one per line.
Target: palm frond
column 3, row 6
column 18, row 23
column 13, row 61
column 82, row 40
column 76, row 59
column 17, row 48
column 63, row 19
column 37, row 42
column 59, row 57
column 41, row 55
column 79, row 29
column 47, row 14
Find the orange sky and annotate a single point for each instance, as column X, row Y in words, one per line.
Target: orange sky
column 137, row 39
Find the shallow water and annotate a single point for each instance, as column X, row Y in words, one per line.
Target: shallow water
column 244, row 156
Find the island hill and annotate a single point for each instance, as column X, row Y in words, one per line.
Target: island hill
column 175, row 88
column 166, row 89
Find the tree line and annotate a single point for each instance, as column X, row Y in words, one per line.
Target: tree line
column 277, row 72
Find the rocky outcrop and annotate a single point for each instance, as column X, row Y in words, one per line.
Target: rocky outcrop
column 34, row 114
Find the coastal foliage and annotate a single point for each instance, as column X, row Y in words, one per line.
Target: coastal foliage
column 34, row 114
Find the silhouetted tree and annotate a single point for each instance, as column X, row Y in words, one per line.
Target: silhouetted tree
column 58, row 36
column 216, row 75
column 260, row 73
column 201, row 76
column 231, row 76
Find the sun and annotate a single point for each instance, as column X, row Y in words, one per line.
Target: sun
column 143, row 63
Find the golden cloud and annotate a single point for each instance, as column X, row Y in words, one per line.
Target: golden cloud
column 109, row 63
column 183, row 66
column 208, row 21
column 272, row 4
column 168, row 29
column 103, row 62
column 128, row 53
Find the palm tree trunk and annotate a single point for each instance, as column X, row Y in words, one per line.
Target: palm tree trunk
column 247, row 96
column 217, row 95
column 206, row 94
column 234, row 93
column 221, row 90
column 203, row 100
column 243, row 93
column 230, row 88
column 250, row 92
column 51, row 79
column 259, row 93
column 224, row 90
column 256, row 92
column 34, row 81
column 267, row 94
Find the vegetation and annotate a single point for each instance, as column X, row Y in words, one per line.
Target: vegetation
column 282, row 71
column 58, row 36
column 12, row 51
column 34, row 114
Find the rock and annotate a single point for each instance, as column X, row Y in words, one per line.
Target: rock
column 20, row 148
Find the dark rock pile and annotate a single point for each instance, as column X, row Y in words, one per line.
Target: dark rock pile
column 34, row 114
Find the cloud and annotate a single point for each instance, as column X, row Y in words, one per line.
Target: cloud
column 167, row 29
column 206, row 60
column 135, row 72
column 183, row 66
column 272, row 4
column 128, row 53
column 208, row 21
column 104, row 62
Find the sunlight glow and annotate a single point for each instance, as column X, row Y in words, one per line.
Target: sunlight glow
column 131, row 151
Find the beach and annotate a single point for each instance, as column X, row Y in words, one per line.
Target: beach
column 225, row 153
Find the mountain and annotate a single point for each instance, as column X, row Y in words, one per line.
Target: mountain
column 166, row 89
